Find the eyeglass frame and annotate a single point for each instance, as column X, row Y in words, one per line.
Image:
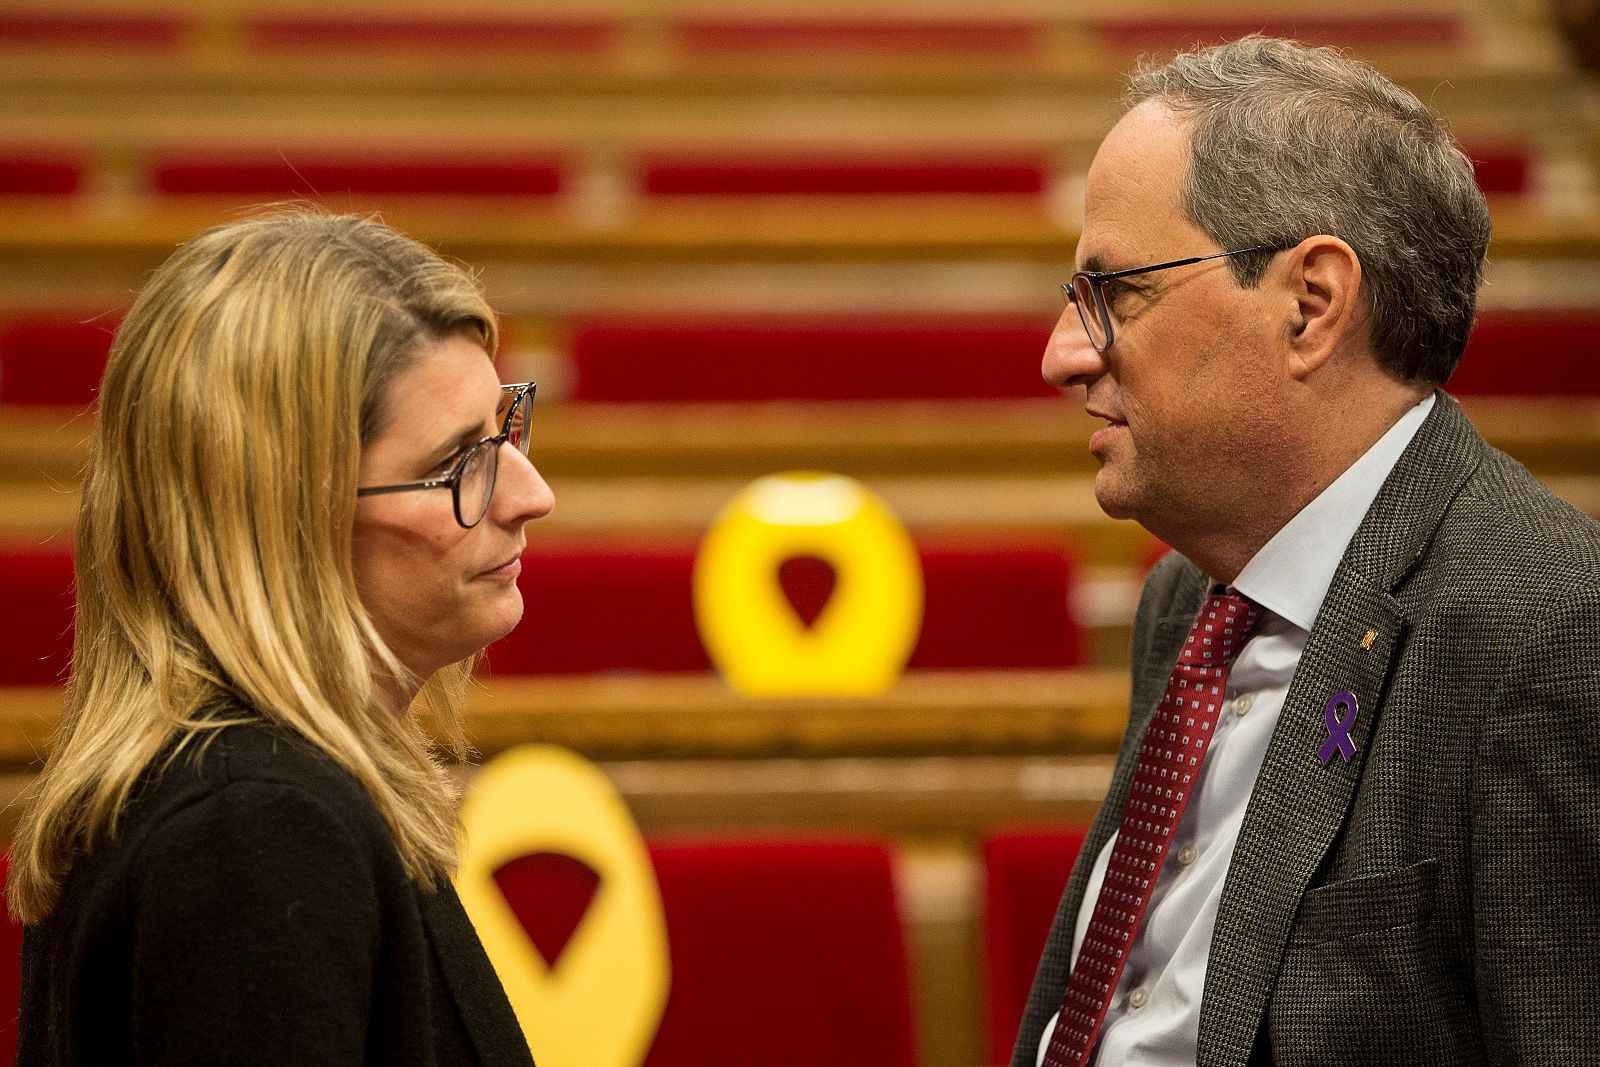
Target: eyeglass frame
column 452, row 481
column 1098, row 278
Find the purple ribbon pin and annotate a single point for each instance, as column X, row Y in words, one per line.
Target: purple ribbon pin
column 1339, row 729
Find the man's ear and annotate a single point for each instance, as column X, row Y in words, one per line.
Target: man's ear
column 1324, row 286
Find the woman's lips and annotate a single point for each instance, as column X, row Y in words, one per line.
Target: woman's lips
column 510, row 569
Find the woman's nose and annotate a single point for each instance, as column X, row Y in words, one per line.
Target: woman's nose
column 521, row 494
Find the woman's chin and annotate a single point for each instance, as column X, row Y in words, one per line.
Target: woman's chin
column 505, row 617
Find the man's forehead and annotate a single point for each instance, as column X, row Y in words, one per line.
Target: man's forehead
column 1134, row 186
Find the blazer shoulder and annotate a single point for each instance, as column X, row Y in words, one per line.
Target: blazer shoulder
column 1507, row 528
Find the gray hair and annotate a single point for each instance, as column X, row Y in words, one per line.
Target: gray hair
column 1289, row 141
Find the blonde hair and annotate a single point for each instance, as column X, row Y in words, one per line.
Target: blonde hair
column 213, row 561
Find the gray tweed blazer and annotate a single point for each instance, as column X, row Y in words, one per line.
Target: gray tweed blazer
column 1436, row 899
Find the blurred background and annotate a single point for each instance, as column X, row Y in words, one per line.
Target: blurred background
column 729, row 238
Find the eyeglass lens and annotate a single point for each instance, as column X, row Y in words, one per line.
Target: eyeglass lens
column 516, row 426
column 475, row 487
column 1091, row 311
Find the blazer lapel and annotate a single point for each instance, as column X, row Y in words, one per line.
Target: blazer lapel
column 487, row 1015
column 1301, row 800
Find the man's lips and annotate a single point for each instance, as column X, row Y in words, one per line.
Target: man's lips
column 1102, row 438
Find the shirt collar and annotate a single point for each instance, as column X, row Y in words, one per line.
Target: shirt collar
column 1291, row 573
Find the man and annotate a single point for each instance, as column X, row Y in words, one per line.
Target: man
column 1358, row 820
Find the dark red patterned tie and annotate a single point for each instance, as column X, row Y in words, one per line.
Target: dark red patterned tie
column 1169, row 763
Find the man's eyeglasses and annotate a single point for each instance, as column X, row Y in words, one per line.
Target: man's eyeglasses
column 1086, row 291
column 471, row 479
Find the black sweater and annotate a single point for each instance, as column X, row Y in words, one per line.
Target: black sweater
column 252, row 909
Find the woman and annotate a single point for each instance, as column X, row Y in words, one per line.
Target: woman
column 302, row 515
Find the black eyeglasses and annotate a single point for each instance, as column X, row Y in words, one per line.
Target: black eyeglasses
column 1086, row 291
column 471, row 480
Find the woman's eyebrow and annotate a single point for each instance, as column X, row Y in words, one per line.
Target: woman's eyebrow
column 464, row 438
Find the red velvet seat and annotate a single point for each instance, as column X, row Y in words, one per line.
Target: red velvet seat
column 36, row 623
column 1025, row 873
column 62, row 27
column 784, row 953
column 996, row 606
column 888, row 36
column 842, row 173
column 753, row 359
column 491, row 33
column 1531, row 353
column 53, row 360
column 26, row 172
column 1501, row 170
column 321, row 174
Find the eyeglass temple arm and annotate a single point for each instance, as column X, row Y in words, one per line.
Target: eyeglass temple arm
column 1101, row 276
column 376, row 490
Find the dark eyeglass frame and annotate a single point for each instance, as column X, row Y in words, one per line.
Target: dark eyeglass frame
column 1095, row 280
column 520, row 392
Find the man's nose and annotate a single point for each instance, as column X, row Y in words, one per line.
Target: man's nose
column 1069, row 358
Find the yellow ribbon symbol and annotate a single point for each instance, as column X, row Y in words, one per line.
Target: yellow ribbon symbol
column 600, row 1003
column 865, row 633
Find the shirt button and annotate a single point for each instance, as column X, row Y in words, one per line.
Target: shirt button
column 1241, row 704
column 1187, row 854
column 1139, row 997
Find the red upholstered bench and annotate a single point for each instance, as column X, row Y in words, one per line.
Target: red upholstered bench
column 1024, row 875
column 1501, row 170
column 790, row 172
column 35, row 616
column 753, row 359
column 53, row 360
column 318, row 173
column 36, row 172
column 60, row 27
column 1162, row 33
column 991, row 607
column 480, row 33
column 996, row 606
column 783, row 953
column 1531, row 353
column 756, row 36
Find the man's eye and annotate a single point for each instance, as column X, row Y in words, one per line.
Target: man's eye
column 1118, row 296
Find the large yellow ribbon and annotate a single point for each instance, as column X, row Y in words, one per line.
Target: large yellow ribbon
column 860, row 642
column 600, row 1004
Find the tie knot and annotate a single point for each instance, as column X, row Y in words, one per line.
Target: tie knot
column 1225, row 620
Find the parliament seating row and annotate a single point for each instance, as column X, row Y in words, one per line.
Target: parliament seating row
column 736, row 32
column 791, row 952
column 777, row 170
column 56, row 360
column 1000, row 605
